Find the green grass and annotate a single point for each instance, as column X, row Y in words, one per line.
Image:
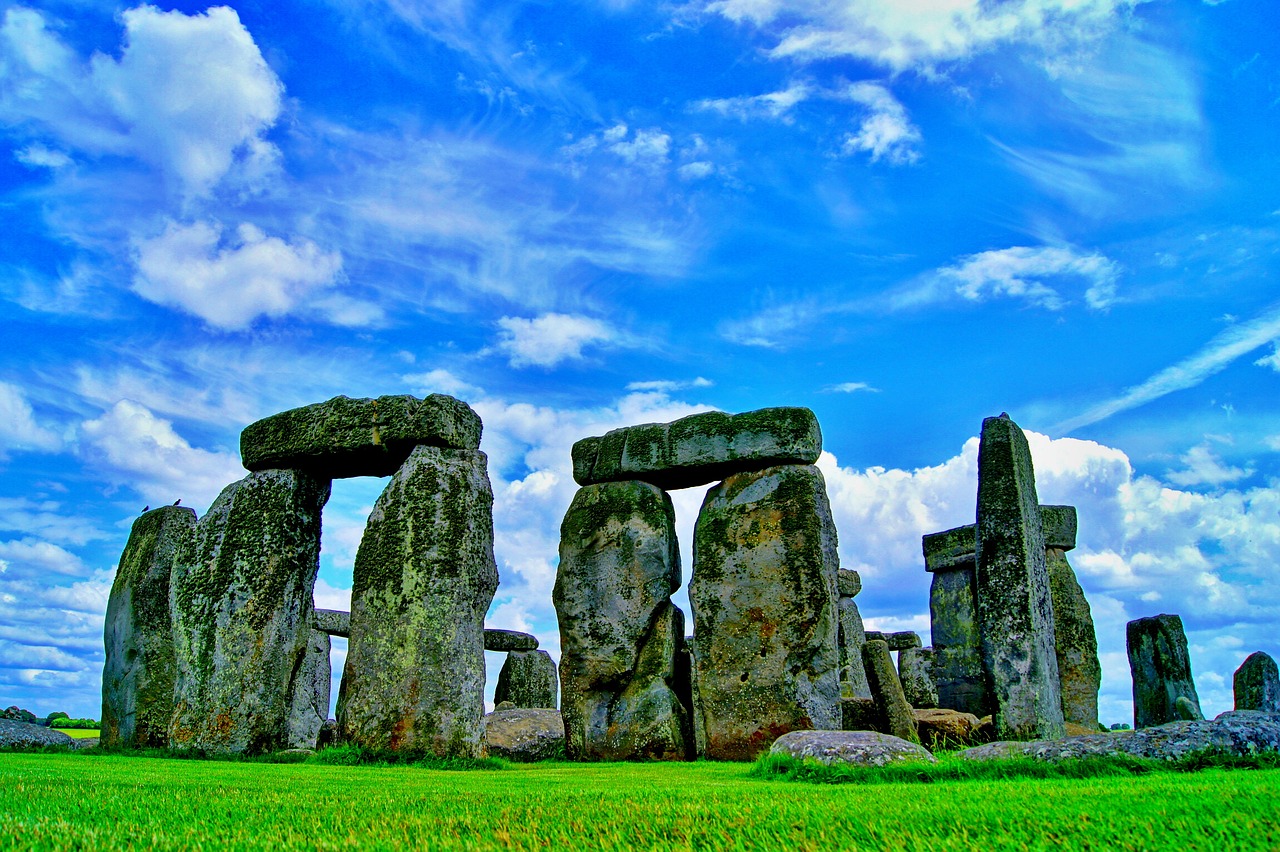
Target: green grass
column 79, row 733
column 82, row 801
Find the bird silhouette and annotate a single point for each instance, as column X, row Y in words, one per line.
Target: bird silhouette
column 176, row 502
column 146, row 508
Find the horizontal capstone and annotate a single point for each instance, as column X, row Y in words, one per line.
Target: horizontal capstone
column 509, row 640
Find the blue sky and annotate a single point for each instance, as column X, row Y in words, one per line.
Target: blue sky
column 582, row 215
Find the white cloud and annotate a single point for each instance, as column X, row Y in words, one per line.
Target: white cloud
column 1272, row 360
column 441, row 381
column 189, row 95
column 886, row 132
column 1204, row 467
column 773, row 105
column 28, row 558
column 551, row 338
column 852, row 387
column 21, row 430
column 1026, row 272
column 669, row 386
column 38, row 156
column 646, row 147
column 231, row 283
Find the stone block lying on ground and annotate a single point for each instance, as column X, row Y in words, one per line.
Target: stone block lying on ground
column 524, row 734
column 699, row 449
column 15, row 734
column 939, row 728
column 854, row 748
column 509, row 640
column 358, row 437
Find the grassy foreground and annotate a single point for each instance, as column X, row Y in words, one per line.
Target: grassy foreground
column 78, row 801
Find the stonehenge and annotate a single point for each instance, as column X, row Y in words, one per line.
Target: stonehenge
column 1256, row 684
column 1163, row 689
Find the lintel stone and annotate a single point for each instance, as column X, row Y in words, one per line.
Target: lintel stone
column 335, row 622
column 955, row 548
column 509, row 640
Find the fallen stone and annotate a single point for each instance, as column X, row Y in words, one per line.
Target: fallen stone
column 1014, row 602
column 525, row 735
column 1161, row 669
column 853, row 748
column 1075, row 642
column 358, row 437
column 860, row 714
column 902, row 640
column 505, row 705
column 765, row 612
column 509, row 640
column 1256, row 684
column 15, row 734
column 895, row 712
column 528, row 679
column 81, row 743
column 699, row 449
column 241, row 597
column 424, row 577
column 335, row 622
column 310, row 706
column 1239, row 733
column 914, row 665
column 137, row 678
column 945, row 729
column 619, row 632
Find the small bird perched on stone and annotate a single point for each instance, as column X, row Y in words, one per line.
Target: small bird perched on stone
column 176, row 502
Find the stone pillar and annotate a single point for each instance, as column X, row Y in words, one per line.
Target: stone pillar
column 852, row 636
column 619, row 631
column 1161, row 669
column 1075, row 643
column 241, row 596
column 310, row 706
column 424, row 578
column 1014, row 603
column 528, row 679
column 914, row 665
column 1256, row 684
column 894, row 711
column 765, row 610
column 137, row 679
column 953, row 618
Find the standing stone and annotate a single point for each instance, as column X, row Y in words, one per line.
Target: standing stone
column 241, row 597
column 886, row 689
column 619, row 632
column 914, row 665
column 1161, row 670
column 953, row 618
column 528, row 680
column 424, row 577
column 764, row 610
column 1257, row 684
column 1015, row 607
column 852, row 636
column 137, row 680
column 310, row 706
column 1075, row 642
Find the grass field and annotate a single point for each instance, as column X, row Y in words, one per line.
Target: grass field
column 79, row 733
column 79, row 801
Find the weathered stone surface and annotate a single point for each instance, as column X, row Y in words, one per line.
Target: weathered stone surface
column 1014, row 602
column 764, row 610
column 853, row 675
column 1239, row 733
column 528, row 679
column 311, row 687
column 1075, row 643
column 525, row 734
column 334, row 622
column 1058, row 524
column 950, row 549
column 619, row 631
column 358, row 437
column 137, row 679
column 699, row 449
column 848, row 583
column 939, row 728
column 856, row 748
column 241, row 597
column 895, row 712
column 876, row 636
column 15, row 734
column 860, row 714
column 902, row 640
column 914, row 672
column 1161, row 669
column 509, row 640
column 1257, row 684
column 424, row 577
column 957, row 650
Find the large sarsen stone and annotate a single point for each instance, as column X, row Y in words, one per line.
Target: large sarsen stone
column 1161, row 669
column 1256, row 684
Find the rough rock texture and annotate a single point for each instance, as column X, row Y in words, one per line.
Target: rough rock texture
column 1240, row 733
column 358, row 437
column 764, row 610
column 699, row 449
column 241, row 597
column 1058, row 525
column 310, row 705
column 1161, row 670
column 509, row 640
column 858, row 748
column 1075, row 643
column 619, row 632
column 1014, row 603
column 903, row 640
column 137, row 679
column 424, row 577
column 1257, row 684
column 528, row 679
column 15, row 734
column 848, row 583
column 895, row 712
column 853, row 676
column 953, row 619
column 335, row 622
column 915, row 672
column 860, row 714
column 524, row 735
column 940, row 728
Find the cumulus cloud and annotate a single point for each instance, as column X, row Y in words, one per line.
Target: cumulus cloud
column 886, row 132
column 190, row 95
column 773, row 105
column 1204, row 467
column 550, row 339
column 230, row 283
column 21, row 429
column 30, row 558
column 1031, row 273
column 441, row 381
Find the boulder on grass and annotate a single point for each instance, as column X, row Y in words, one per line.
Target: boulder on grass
column 14, row 734
column 525, row 735
column 941, row 728
column 854, row 748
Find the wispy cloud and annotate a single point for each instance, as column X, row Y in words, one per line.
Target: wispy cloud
column 668, row 385
column 886, row 132
column 1030, row 273
column 852, row 387
column 772, row 105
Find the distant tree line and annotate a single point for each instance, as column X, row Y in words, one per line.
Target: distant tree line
column 56, row 719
